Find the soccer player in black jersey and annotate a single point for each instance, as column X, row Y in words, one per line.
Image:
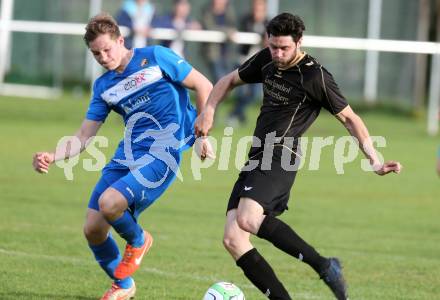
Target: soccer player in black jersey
column 295, row 88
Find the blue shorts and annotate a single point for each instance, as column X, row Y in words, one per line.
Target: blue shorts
column 132, row 185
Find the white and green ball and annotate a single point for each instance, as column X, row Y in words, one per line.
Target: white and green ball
column 224, row 291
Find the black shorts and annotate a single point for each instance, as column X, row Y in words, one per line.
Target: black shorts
column 270, row 187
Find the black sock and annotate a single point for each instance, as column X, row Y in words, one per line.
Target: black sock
column 284, row 238
column 260, row 273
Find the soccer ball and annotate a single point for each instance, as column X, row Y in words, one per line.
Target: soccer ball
column 224, row 291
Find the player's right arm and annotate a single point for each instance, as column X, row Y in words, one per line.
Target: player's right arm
column 69, row 148
column 219, row 92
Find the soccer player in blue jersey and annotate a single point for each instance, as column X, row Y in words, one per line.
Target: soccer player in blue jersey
column 148, row 88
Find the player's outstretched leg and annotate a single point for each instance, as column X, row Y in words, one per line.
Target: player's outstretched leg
column 334, row 279
column 118, row 293
column 284, row 238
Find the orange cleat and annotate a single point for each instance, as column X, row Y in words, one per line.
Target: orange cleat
column 118, row 293
column 133, row 257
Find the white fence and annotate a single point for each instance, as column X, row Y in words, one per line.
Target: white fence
column 370, row 45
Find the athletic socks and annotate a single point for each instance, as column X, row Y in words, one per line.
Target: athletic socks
column 107, row 255
column 260, row 273
column 125, row 283
column 284, row 238
column 127, row 227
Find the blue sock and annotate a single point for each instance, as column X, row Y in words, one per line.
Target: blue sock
column 108, row 257
column 127, row 227
column 125, row 283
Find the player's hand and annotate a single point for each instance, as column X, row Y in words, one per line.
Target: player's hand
column 42, row 160
column 388, row 167
column 204, row 148
column 204, row 123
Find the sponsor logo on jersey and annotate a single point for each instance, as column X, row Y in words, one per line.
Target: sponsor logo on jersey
column 132, row 84
column 133, row 103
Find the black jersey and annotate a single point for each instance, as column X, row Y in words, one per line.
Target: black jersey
column 292, row 98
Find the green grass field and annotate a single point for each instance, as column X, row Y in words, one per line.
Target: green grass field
column 385, row 229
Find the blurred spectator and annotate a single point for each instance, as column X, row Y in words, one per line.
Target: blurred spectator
column 218, row 16
column 179, row 20
column 137, row 16
column 255, row 21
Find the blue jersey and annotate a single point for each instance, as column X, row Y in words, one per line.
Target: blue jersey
column 152, row 101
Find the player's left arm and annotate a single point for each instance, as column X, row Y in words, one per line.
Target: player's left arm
column 357, row 128
column 197, row 82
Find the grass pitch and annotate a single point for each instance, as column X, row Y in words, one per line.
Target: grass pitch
column 384, row 229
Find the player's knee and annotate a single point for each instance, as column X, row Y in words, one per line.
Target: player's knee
column 246, row 223
column 110, row 204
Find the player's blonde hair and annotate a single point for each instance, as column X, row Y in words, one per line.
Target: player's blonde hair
column 100, row 24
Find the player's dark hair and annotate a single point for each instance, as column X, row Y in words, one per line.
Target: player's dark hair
column 100, row 24
column 286, row 24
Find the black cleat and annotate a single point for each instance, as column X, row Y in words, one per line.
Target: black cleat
column 333, row 278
